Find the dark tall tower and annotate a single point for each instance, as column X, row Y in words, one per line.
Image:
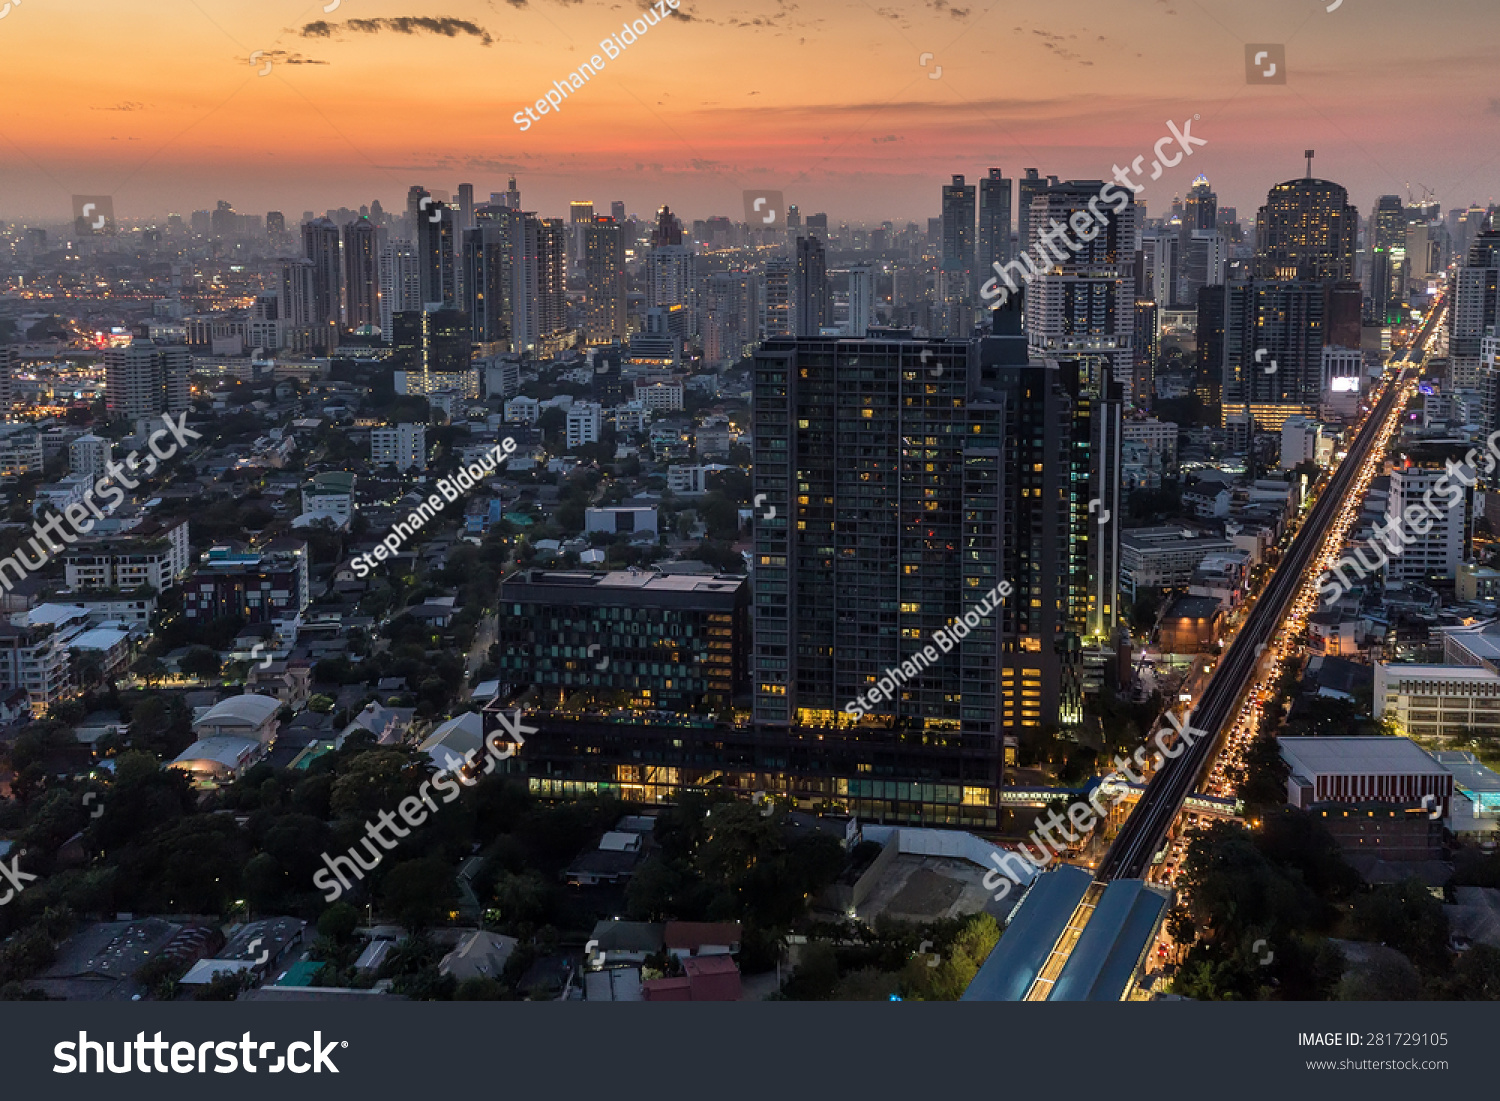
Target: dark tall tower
column 958, row 234
column 361, row 274
column 910, row 478
column 487, row 259
column 436, row 269
column 320, row 244
column 1306, row 232
column 994, row 222
column 466, row 206
column 1387, row 243
column 810, row 300
column 1274, row 334
column 668, row 229
column 1201, row 211
column 604, row 276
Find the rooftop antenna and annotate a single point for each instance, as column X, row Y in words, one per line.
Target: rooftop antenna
column 1308, row 153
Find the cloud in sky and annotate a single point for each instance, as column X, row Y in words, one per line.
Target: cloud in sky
column 444, row 26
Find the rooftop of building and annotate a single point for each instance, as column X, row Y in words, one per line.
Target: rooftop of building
column 628, row 580
column 1468, row 773
column 1436, row 671
column 1354, row 756
column 1103, row 963
column 1035, row 926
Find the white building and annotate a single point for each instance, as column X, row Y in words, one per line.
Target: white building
column 1164, row 557
column 152, row 554
column 89, row 456
column 1304, row 440
column 585, row 423
column 502, row 377
column 39, row 661
column 1343, row 371
column 1428, row 700
column 1439, row 549
column 403, row 446
column 522, row 410
column 631, row 417
column 1159, row 437
column 660, row 397
column 687, row 481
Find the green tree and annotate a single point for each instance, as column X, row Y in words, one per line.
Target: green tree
column 200, row 662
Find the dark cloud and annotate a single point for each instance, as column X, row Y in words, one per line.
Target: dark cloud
column 131, row 105
column 402, row 24
column 281, row 57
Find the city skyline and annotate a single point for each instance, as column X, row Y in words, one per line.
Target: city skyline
column 860, row 112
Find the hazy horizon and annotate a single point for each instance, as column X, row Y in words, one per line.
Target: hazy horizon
column 833, row 104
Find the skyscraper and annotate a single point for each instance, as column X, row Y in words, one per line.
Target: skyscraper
column 958, row 236
column 861, row 299
column 1274, row 336
column 994, row 222
column 1027, row 189
column 437, row 272
column 1386, row 239
column 400, row 283
column 810, row 298
column 432, row 347
column 668, row 229
column 1306, row 231
column 144, row 379
column 671, row 271
column 776, row 316
column 294, row 292
column 580, row 216
column 320, row 244
column 465, row 206
column 1145, row 347
column 909, row 479
column 1475, row 294
column 1201, row 210
column 1086, row 303
column 617, row 210
column 9, row 361
column 729, row 317
column 361, row 275
column 604, row 278
column 1204, row 260
column 486, row 257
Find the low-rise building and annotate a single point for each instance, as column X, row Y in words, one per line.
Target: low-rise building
column 674, row 643
column 257, row 586
column 1164, row 557
column 621, row 520
column 1357, row 770
column 1431, row 700
column 153, row 554
column 403, row 446
column 584, row 424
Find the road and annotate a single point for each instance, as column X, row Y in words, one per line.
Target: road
column 1145, row 831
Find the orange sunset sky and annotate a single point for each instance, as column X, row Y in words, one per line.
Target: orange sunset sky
column 158, row 104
